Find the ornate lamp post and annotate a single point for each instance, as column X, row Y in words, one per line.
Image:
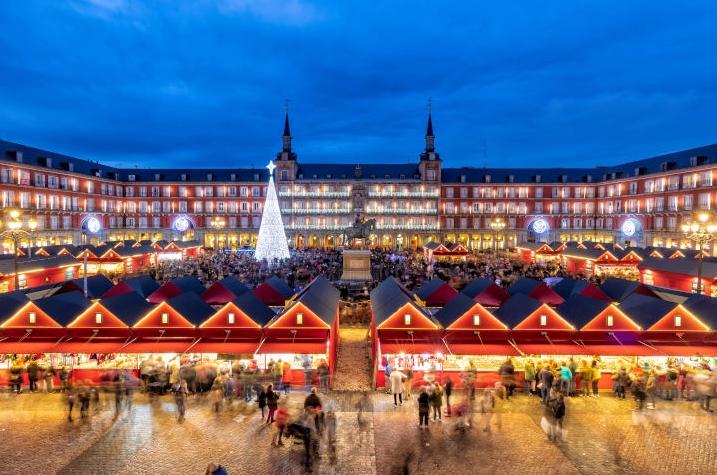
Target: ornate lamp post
column 14, row 230
column 701, row 230
column 217, row 223
column 496, row 225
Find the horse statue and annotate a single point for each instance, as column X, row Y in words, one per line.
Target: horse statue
column 361, row 229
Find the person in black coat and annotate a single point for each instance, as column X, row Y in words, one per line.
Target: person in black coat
column 447, row 390
column 424, row 402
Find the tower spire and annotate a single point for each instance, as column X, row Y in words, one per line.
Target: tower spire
column 430, row 138
column 286, row 139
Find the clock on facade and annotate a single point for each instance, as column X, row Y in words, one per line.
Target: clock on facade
column 540, row 226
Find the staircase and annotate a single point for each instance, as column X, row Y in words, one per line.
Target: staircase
column 353, row 367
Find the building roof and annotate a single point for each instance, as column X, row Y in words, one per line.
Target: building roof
column 349, row 171
column 280, row 286
column 645, row 310
column 25, row 264
column 322, row 298
column 97, row 285
column 579, row 310
column 687, row 266
column 454, row 309
column 387, row 298
column 619, row 289
column 191, row 306
column 476, row 287
column 64, row 308
column 516, row 309
column 254, row 308
column 704, row 308
column 492, row 296
column 189, row 283
column 545, row 294
column 10, row 303
column 130, row 307
column 223, row 291
column 144, row 285
column 524, row 285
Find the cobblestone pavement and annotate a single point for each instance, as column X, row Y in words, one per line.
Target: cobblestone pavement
column 604, row 436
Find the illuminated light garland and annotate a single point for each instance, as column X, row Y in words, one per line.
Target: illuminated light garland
column 271, row 244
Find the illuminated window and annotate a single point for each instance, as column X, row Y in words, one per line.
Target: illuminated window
column 32, row 317
column 299, row 318
column 98, row 318
column 407, row 319
column 610, row 321
column 678, row 321
column 165, row 318
column 230, row 319
column 476, row 320
column 543, row 320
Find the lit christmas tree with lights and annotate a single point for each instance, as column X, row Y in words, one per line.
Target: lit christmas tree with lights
column 271, row 243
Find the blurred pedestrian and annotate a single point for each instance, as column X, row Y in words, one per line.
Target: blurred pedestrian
column 396, row 379
column 448, row 390
column 436, row 398
column 596, row 375
column 424, row 402
column 272, row 402
column 282, row 419
column 529, row 377
column 180, row 399
column 214, row 469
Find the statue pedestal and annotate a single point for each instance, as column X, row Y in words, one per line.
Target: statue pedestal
column 357, row 265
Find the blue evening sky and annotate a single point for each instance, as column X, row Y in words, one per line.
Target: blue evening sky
column 199, row 83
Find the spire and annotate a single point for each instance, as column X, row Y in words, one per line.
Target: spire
column 287, row 130
column 430, row 138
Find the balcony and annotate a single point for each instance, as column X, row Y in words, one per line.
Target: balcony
column 316, row 210
column 400, row 211
column 319, row 227
column 417, row 227
column 404, row 194
column 314, row 194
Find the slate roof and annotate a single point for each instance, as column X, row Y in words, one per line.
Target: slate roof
column 10, row 303
column 387, row 297
column 704, row 308
column 429, row 288
column 321, row 297
column 347, row 170
column 476, row 287
column 64, row 308
column 454, row 309
column 280, row 286
column 644, row 310
column 144, row 285
column 129, row 307
column 569, row 286
column 492, row 296
column 191, row 306
column 619, row 289
column 516, row 309
column 97, row 285
column 524, row 285
column 254, row 308
column 579, row 310
column 189, row 283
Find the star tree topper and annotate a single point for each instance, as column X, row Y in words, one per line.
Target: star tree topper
column 271, row 167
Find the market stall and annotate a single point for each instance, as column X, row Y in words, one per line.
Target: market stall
column 176, row 287
column 224, row 291
column 273, row 292
column 436, row 292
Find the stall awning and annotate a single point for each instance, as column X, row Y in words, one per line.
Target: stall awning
column 412, row 348
column 554, row 349
column 688, row 350
column 225, row 347
column 156, row 347
column 27, row 347
column 479, row 349
column 304, row 348
column 622, row 350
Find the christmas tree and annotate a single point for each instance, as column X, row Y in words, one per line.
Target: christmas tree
column 271, row 243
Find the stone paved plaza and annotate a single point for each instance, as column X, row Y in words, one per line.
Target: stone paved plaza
column 604, row 436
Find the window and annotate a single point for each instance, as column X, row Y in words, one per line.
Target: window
column 476, row 320
column 543, row 320
column 32, row 318
column 407, row 319
column 678, row 321
column 98, row 318
column 230, row 318
column 299, row 318
column 610, row 321
column 165, row 318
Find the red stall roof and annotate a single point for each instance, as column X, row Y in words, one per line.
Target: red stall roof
column 622, row 350
column 26, row 347
column 483, row 349
column 165, row 292
column 269, row 295
column 155, row 347
column 544, row 294
column 688, row 350
column 492, row 296
column 555, row 349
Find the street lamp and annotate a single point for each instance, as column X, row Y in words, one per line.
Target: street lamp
column 14, row 230
column 496, row 225
column 217, row 223
column 701, row 230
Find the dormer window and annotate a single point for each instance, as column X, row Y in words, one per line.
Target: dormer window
column 230, row 318
column 299, row 318
column 32, row 318
column 543, row 320
column 476, row 320
column 610, row 321
column 98, row 318
column 165, row 318
column 678, row 321
column 407, row 319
